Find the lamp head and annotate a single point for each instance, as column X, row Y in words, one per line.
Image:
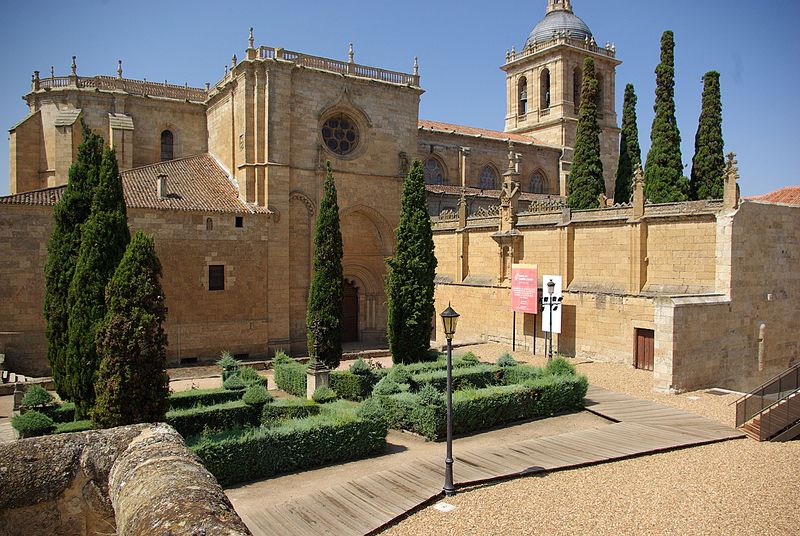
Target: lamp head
column 449, row 321
column 551, row 287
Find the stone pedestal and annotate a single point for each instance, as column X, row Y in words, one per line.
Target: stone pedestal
column 317, row 376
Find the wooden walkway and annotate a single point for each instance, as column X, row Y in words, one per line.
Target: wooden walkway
column 366, row 504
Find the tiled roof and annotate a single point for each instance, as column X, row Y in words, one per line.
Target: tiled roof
column 789, row 196
column 195, row 183
column 447, row 189
column 474, row 132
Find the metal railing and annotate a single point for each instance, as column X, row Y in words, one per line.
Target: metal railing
column 768, row 395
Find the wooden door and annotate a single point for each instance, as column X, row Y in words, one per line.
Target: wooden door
column 350, row 313
column 645, row 348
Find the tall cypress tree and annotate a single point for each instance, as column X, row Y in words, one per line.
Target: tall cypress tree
column 586, row 179
column 664, row 181
column 630, row 154
column 409, row 282
column 708, row 164
column 132, row 384
column 327, row 285
column 104, row 237
column 62, row 250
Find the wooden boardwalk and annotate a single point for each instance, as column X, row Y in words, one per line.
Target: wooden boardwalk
column 366, row 504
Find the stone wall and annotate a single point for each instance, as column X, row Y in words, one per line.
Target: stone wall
column 130, row 480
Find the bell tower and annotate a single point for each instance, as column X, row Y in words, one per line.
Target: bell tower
column 543, row 87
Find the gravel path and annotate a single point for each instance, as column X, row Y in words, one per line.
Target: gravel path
column 739, row 487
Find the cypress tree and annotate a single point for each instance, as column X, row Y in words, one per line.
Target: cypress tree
column 664, row 181
column 409, row 282
column 708, row 164
column 586, row 179
column 104, row 237
column 327, row 286
column 630, row 154
column 62, row 250
column 132, row 383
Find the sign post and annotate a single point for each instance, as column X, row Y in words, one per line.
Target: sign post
column 551, row 307
column 524, row 293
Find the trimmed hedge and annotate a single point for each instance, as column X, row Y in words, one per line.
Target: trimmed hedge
column 63, row 413
column 350, row 386
column 440, row 364
column 224, row 416
column 477, row 376
column 289, row 409
column 32, row 423
column 291, row 446
column 74, row 426
column 291, row 377
column 202, row 397
column 520, row 373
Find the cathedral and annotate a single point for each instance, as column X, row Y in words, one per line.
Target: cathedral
column 228, row 179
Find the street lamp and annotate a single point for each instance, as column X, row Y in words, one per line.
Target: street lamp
column 552, row 304
column 449, row 321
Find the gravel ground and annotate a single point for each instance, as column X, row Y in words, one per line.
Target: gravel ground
column 736, row 487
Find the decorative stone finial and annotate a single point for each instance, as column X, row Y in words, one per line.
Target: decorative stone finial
column 350, row 54
column 208, row 86
column 730, row 195
column 508, row 56
column 513, row 52
column 233, row 62
column 250, row 40
column 74, row 67
column 416, row 66
column 119, row 69
column 512, row 160
column 638, row 192
column 226, row 71
column 52, row 72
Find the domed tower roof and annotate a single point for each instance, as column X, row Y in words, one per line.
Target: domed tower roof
column 559, row 19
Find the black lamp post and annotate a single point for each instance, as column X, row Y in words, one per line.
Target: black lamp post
column 552, row 304
column 449, row 321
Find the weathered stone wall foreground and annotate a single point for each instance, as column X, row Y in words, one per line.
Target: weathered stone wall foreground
column 133, row 480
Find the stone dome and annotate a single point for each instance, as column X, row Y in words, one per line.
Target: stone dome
column 558, row 21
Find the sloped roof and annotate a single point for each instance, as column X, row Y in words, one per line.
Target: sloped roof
column 447, row 128
column 789, row 195
column 195, row 183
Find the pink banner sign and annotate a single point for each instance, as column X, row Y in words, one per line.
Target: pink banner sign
column 524, row 288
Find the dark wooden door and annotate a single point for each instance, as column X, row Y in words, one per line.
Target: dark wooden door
column 645, row 348
column 350, row 313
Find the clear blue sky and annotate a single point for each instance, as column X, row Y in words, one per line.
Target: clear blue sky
column 460, row 45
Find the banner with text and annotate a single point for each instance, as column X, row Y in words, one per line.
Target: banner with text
column 524, row 285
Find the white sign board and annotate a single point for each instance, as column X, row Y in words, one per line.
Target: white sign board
column 557, row 306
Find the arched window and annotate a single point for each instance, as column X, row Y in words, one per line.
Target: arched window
column 433, row 172
column 167, row 152
column 537, row 182
column 544, row 79
column 577, row 83
column 209, row 224
column 522, row 109
column 488, row 178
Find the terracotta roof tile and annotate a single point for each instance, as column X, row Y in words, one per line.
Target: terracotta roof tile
column 789, row 195
column 195, row 183
column 425, row 124
column 447, row 189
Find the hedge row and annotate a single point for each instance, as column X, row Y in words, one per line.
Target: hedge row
column 291, row 446
column 477, row 376
column 203, row 397
column 351, row 386
column 439, row 364
column 479, row 409
column 291, row 378
column 289, row 409
column 234, row 414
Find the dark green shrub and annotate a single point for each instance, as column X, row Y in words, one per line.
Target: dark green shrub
column 388, row 386
column 256, row 395
column 520, row 373
column 202, row 397
column 225, row 416
column 37, row 397
column 63, row 413
column 350, row 386
column 324, row 394
column 233, row 383
column 399, row 374
column 250, row 376
column 478, row 376
column 281, row 358
column 372, row 410
column 560, row 366
column 288, row 409
column 469, row 359
column 228, row 364
column 506, row 360
column 291, row 377
column 397, row 409
column 290, row 446
column 559, row 393
column 74, row 426
column 429, row 396
column 32, row 424
column 361, row 367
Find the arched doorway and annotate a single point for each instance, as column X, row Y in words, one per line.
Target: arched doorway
column 350, row 312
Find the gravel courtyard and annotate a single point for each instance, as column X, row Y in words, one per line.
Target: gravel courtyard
column 738, row 487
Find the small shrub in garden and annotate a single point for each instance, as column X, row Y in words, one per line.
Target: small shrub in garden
column 360, row 367
column 324, row 394
column 37, row 397
column 74, row 426
column 250, row 376
column 32, row 424
column 288, row 409
column 228, row 364
column 429, row 396
column 372, row 410
column 281, row 358
column 506, row 360
column 399, row 374
column 350, row 386
column 560, row 367
column 199, row 397
column 256, row 395
column 520, row 373
column 388, row 386
column 233, row 383
column 470, row 359
column 290, row 376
